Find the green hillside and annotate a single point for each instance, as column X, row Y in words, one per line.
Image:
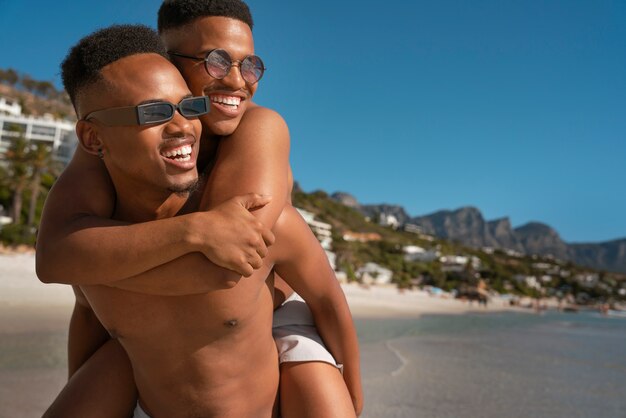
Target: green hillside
column 502, row 272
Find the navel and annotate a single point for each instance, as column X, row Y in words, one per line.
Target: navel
column 231, row 323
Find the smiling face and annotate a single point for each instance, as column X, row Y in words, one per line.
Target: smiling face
column 149, row 159
column 229, row 96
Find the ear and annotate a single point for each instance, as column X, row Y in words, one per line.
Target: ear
column 88, row 137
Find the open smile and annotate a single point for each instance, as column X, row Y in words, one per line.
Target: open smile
column 230, row 105
column 180, row 155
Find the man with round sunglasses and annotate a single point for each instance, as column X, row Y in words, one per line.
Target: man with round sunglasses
column 207, row 351
column 231, row 103
column 218, row 64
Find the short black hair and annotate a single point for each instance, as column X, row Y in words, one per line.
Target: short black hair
column 82, row 65
column 174, row 14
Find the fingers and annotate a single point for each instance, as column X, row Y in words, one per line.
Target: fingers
column 247, row 267
column 245, row 270
column 268, row 237
column 253, row 201
column 256, row 262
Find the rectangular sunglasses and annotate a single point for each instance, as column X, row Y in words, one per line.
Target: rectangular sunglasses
column 151, row 113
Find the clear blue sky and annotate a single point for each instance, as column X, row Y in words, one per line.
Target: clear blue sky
column 515, row 107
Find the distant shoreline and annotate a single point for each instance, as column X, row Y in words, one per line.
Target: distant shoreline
column 19, row 287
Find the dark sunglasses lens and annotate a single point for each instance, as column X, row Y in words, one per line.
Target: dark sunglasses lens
column 218, row 63
column 193, row 107
column 252, row 69
column 157, row 112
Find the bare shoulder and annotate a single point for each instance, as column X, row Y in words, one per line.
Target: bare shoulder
column 84, row 187
column 260, row 113
column 262, row 121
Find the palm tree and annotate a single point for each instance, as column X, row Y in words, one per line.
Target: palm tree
column 18, row 170
column 41, row 162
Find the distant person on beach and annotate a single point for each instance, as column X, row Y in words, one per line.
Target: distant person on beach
column 149, row 244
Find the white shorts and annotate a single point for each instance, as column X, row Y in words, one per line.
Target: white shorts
column 296, row 336
column 139, row 412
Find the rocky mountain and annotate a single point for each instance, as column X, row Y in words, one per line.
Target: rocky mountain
column 465, row 225
column 468, row 226
column 346, row 199
column 609, row 255
column 538, row 238
column 503, row 234
column 372, row 211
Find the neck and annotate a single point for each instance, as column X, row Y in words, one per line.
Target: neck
column 208, row 151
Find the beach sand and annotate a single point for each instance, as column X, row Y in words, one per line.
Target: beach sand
column 33, row 334
column 417, row 359
column 34, row 319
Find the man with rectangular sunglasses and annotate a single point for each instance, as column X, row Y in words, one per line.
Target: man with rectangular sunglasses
column 149, row 113
column 209, row 353
column 228, row 105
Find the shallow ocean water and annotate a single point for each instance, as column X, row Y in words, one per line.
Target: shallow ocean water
column 494, row 365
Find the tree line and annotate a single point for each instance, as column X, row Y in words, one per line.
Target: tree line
column 27, row 173
column 24, row 82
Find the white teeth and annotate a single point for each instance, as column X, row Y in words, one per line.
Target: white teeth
column 180, row 154
column 226, row 100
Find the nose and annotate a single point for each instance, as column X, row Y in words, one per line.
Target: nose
column 180, row 125
column 234, row 79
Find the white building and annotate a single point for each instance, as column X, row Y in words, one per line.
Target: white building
column 417, row 253
column 10, row 107
column 388, row 220
column 458, row 263
column 588, row 280
column 59, row 135
column 453, row 263
column 372, row 273
column 323, row 232
column 412, row 228
column 530, row 281
column 513, row 253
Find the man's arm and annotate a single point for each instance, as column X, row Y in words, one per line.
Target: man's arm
column 302, row 262
column 254, row 159
column 78, row 244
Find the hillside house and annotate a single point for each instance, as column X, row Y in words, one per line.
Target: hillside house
column 372, row 273
column 361, row 236
column 417, row 253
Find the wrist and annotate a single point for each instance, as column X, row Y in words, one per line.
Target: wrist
column 190, row 238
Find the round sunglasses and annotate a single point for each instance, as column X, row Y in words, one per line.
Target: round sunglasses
column 218, row 62
column 151, row 113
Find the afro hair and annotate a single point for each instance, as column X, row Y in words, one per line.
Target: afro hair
column 82, row 65
column 174, row 14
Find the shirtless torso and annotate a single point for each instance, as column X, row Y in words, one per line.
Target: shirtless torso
column 208, row 351
column 212, row 353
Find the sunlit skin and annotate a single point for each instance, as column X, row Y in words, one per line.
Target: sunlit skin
column 185, row 371
column 134, row 156
column 235, row 37
column 254, row 158
column 196, row 39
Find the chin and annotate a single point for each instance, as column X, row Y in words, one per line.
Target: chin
column 222, row 127
column 184, row 187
